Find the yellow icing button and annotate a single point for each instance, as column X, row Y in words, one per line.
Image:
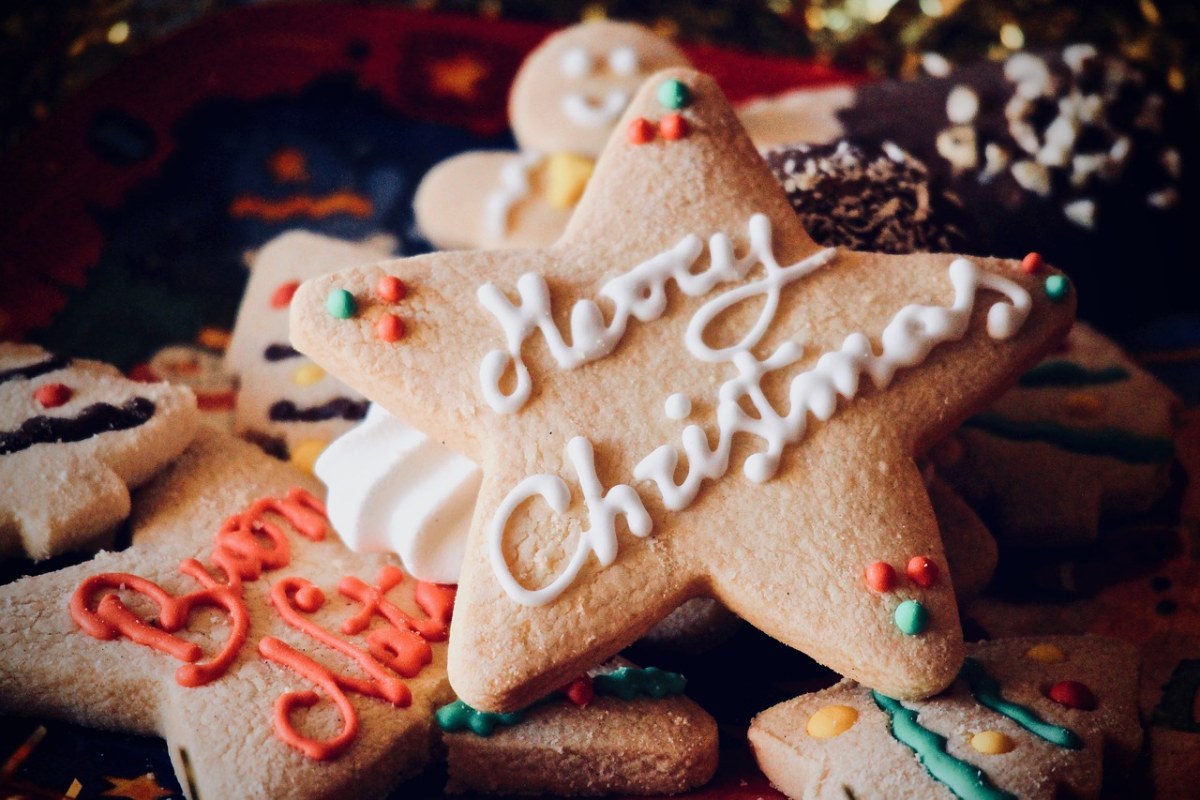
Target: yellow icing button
column 307, row 375
column 993, row 743
column 1046, row 653
column 1083, row 404
column 305, row 453
column 832, row 721
column 566, row 175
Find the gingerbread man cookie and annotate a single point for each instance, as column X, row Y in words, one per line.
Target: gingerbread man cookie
column 567, row 96
column 841, row 368
column 286, row 403
column 75, row 436
column 273, row 661
column 1028, row 718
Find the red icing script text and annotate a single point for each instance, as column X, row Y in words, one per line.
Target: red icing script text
column 246, row 546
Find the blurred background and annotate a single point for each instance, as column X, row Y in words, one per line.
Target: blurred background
column 52, row 48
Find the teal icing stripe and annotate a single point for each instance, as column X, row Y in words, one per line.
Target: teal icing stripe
column 1122, row 445
column 627, row 682
column 987, row 692
column 966, row 781
column 623, row 682
column 458, row 716
column 1071, row 375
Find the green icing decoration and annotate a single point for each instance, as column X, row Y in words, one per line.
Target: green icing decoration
column 964, row 780
column 627, row 682
column 911, row 617
column 458, row 716
column 340, row 303
column 1057, row 287
column 1176, row 709
column 674, row 94
column 987, row 692
column 1122, row 445
column 1072, row 375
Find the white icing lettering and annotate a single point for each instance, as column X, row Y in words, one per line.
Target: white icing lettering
column 678, row 406
column 638, row 294
column 600, row 537
column 906, row 341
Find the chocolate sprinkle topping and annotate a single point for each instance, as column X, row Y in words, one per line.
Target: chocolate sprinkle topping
column 868, row 197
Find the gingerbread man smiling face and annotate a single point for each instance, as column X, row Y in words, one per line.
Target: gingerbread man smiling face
column 575, row 86
column 567, row 97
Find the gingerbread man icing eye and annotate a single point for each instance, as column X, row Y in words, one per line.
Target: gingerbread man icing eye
column 624, row 61
column 577, row 63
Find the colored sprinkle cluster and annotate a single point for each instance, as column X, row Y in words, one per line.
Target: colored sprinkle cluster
column 673, row 95
column 389, row 328
column 910, row 616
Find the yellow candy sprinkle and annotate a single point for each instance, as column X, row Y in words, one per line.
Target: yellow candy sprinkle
column 1083, row 404
column 832, row 721
column 993, row 743
column 566, row 175
column 1046, row 653
column 307, row 375
column 305, row 453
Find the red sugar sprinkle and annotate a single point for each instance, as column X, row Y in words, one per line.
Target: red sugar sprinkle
column 1072, row 694
column 1031, row 263
column 52, row 395
column 880, row 577
column 640, row 131
column 282, row 296
column 673, row 127
column 922, row 571
column 390, row 328
column 391, row 289
column 580, row 691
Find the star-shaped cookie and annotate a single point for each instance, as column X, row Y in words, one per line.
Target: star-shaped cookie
column 253, row 698
column 736, row 420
